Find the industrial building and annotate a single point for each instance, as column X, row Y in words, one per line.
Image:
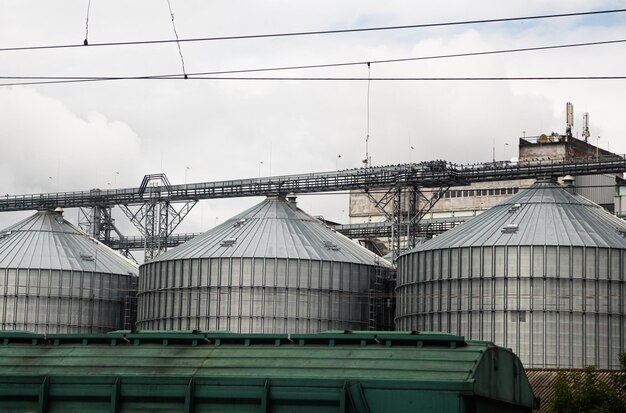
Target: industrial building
column 557, row 300
column 457, row 204
column 270, row 269
column 56, row 279
column 224, row 372
column 541, row 273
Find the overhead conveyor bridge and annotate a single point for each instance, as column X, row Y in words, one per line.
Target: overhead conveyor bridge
column 156, row 218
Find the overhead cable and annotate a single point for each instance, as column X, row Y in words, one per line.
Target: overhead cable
column 338, row 79
column 180, row 52
column 321, row 32
column 75, row 79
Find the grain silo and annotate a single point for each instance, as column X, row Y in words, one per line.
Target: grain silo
column 270, row 269
column 56, row 279
column 541, row 273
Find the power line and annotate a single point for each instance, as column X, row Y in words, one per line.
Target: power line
column 320, row 32
column 412, row 79
column 180, row 52
column 417, row 58
column 74, row 79
column 338, row 79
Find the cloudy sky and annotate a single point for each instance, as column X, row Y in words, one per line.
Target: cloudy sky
column 66, row 137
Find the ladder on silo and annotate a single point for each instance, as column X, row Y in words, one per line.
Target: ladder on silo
column 130, row 312
column 130, row 307
column 375, row 300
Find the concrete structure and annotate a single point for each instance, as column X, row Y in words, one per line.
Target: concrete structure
column 56, row 279
column 270, row 269
column 541, row 273
column 544, row 148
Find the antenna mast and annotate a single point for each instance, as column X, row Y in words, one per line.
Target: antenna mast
column 367, row 160
column 586, row 133
column 569, row 111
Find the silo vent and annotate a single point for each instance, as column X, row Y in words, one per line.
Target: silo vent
column 621, row 231
column 86, row 257
column 291, row 200
column 331, row 246
column 510, row 228
column 515, row 207
column 229, row 242
column 239, row 223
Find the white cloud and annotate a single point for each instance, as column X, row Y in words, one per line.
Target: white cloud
column 223, row 129
column 47, row 147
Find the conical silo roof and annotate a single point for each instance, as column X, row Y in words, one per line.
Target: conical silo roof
column 543, row 214
column 46, row 241
column 274, row 228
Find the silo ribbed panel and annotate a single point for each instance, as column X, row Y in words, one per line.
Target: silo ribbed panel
column 542, row 273
column 270, row 269
column 54, row 278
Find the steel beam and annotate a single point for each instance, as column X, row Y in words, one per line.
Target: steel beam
column 157, row 218
column 425, row 175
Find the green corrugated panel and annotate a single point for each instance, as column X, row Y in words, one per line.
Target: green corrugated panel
column 358, row 371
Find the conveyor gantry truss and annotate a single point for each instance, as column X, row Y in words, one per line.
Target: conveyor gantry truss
column 156, row 218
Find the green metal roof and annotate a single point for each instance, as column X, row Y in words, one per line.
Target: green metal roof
column 377, row 361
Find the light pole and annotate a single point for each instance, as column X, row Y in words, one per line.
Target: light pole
column 260, row 163
column 186, row 170
column 504, row 153
column 337, row 162
column 115, row 179
column 597, row 149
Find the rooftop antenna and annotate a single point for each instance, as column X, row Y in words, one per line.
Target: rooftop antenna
column 586, row 133
column 367, row 159
column 569, row 111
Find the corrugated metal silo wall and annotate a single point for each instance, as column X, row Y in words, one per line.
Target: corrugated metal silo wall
column 254, row 295
column 55, row 301
column 553, row 306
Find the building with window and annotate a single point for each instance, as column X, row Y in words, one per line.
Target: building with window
column 465, row 202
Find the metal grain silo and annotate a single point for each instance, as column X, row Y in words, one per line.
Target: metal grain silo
column 542, row 273
column 56, row 279
column 270, row 269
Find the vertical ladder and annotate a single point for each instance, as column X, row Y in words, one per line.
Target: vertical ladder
column 375, row 300
column 130, row 306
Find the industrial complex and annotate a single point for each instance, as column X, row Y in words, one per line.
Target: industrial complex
column 312, row 207
column 483, row 270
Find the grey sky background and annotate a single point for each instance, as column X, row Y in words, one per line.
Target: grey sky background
column 82, row 134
